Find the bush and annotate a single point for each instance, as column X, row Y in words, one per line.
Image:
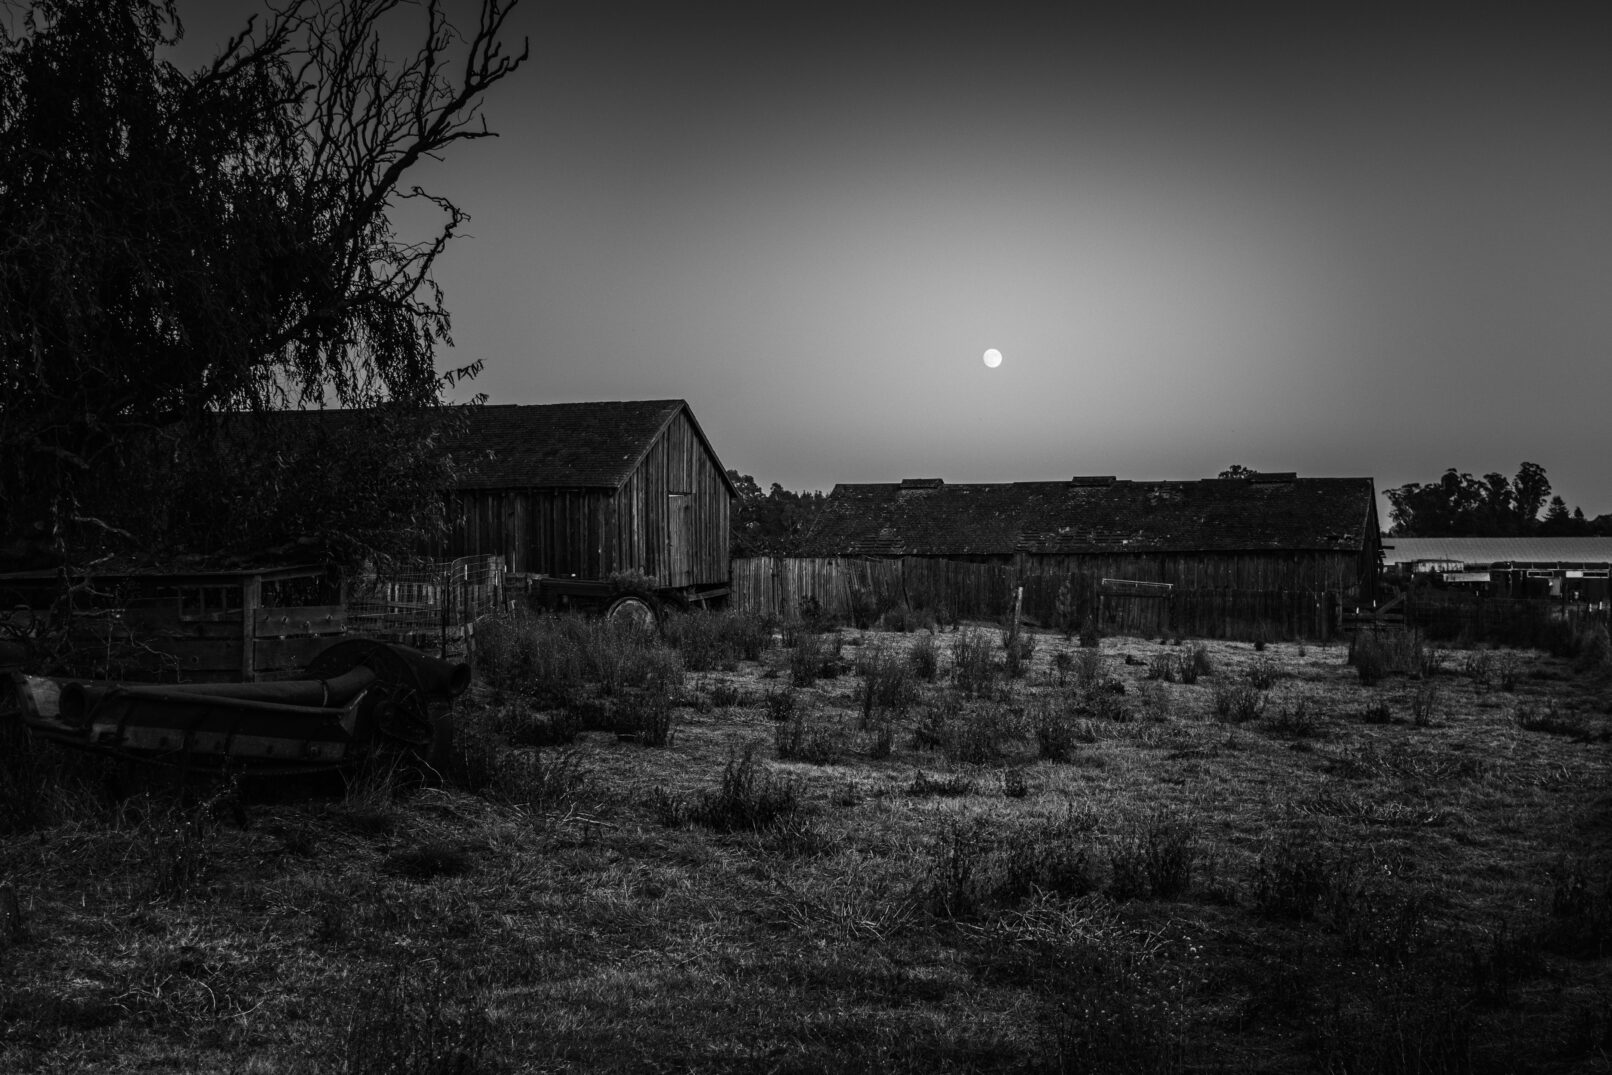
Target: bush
column 1299, row 876
column 1154, row 859
column 780, row 705
column 1019, row 650
column 541, row 780
column 1424, row 701
column 950, row 786
column 807, row 740
column 748, row 798
column 924, row 656
column 1296, row 717
column 645, row 717
column 1195, row 663
column 1237, row 703
column 1054, row 728
column 1090, row 637
column 1162, row 666
column 887, row 684
column 973, row 668
column 1263, row 673
column 1090, row 669
column 977, row 737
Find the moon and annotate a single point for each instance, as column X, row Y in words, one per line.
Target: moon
column 993, row 358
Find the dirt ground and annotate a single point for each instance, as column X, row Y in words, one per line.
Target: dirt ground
column 1088, row 866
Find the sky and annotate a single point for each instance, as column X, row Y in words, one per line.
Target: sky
column 1330, row 241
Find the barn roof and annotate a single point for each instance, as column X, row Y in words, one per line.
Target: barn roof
column 1498, row 550
column 1097, row 514
column 565, row 445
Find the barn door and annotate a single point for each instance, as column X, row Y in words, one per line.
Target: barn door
column 679, row 532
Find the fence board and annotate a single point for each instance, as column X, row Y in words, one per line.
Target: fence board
column 778, row 586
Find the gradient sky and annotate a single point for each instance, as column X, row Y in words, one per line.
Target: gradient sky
column 1343, row 244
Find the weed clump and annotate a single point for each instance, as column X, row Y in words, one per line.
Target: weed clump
column 749, row 798
column 801, row 738
column 1237, row 703
column 924, row 657
column 973, row 668
column 1154, row 859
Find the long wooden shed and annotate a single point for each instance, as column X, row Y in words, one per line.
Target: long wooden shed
column 1214, row 557
column 593, row 490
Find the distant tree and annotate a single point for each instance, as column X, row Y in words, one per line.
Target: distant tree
column 772, row 523
column 1237, row 470
column 1461, row 505
column 181, row 246
column 1559, row 522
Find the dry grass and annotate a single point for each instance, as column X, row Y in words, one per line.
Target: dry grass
column 1085, row 866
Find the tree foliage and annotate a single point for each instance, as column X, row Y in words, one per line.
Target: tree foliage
column 179, row 249
column 1459, row 505
column 774, row 523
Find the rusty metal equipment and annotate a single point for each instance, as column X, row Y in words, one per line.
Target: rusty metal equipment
column 355, row 698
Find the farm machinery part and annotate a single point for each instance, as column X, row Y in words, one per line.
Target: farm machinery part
column 357, row 697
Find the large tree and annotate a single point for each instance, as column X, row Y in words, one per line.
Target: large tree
column 179, row 249
column 1459, row 505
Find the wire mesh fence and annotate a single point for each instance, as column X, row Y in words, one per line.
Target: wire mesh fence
column 430, row 607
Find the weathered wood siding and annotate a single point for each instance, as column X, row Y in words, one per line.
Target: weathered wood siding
column 1293, row 594
column 592, row 533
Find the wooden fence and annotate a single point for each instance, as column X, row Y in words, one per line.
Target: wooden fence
column 1449, row 615
column 851, row 588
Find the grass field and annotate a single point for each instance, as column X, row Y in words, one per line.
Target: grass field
column 804, row 851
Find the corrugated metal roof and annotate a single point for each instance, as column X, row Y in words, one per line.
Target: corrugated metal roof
column 1082, row 517
column 1498, row 550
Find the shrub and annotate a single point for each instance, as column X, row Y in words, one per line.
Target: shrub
column 1263, row 673
column 883, row 742
column 1237, row 703
column 977, row 737
column 807, row 740
column 1050, row 857
column 973, row 668
column 957, row 870
column 1195, row 663
column 906, row 620
column 780, row 705
column 1479, row 667
column 1592, row 650
column 1154, row 699
column 1369, row 658
column 807, row 659
column 645, row 717
column 1090, row 668
column 1424, row 701
column 1090, row 637
column 1507, row 670
column 1019, row 650
column 1054, row 728
column 1296, row 717
column 887, row 684
column 924, row 657
column 1154, row 859
column 1063, row 609
column 1299, row 876
column 748, row 798
column 541, row 780
column 1162, row 666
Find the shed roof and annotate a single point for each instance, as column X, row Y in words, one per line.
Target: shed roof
column 564, row 445
column 1498, row 550
column 1087, row 515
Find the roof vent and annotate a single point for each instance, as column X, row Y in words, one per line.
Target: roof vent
column 1092, row 479
column 921, row 483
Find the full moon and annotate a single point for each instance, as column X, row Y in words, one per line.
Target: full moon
column 993, row 358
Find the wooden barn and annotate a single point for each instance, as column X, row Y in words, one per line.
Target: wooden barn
column 594, row 490
column 1213, row 558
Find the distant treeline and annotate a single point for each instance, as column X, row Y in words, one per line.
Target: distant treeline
column 1459, row 505
column 772, row 523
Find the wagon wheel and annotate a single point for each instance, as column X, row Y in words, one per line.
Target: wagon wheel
column 395, row 706
column 638, row 609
